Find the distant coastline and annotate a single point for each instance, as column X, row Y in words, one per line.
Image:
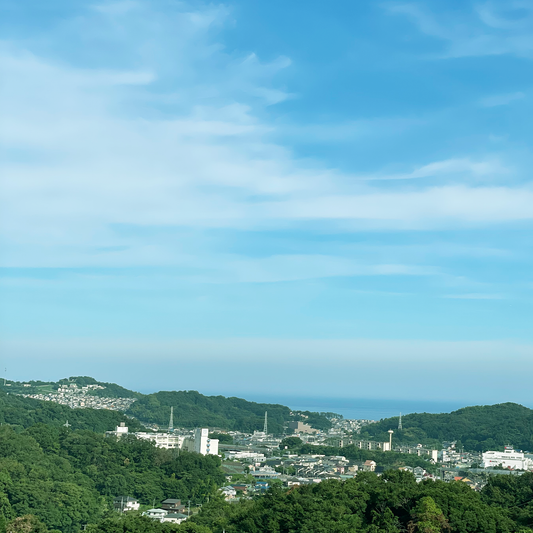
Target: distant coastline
column 360, row 408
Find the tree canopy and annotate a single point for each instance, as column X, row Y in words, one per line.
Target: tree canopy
column 479, row 428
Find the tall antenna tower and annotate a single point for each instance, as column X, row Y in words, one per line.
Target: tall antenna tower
column 171, row 421
column 400, row 422
column 265, row 428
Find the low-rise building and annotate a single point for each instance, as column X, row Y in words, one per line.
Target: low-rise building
column 265, row 472
column 125, row 503
column 369, row 466
column 300, row 427
column 228, row 492
column 174, row 518
column 172, row 506
column 509, row 458
column 156, row 514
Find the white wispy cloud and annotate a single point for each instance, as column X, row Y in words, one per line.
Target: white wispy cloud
column 454, row 168
column 482, row 32
column 475, row 296
column 501, row 99
column 99, row 150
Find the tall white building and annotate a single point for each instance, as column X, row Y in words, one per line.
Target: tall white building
column 203, row 444
column 507, row 459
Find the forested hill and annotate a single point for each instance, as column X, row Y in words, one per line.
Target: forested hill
column 109, row 390
column 68, row 478
column 21, row 412
column 479, row 428
column 192, row 409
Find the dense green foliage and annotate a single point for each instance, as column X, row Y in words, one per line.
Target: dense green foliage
column 513, row 493
column 192, row 409
column 133, row 523
column 291, row 443
column 392, row 503
column 479, row 428
column 316, row 420
column 68, row 478
column 25, row 412
column 223, row 438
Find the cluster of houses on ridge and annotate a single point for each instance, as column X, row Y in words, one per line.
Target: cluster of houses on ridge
column 80, row 397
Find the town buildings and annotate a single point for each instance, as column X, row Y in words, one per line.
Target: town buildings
column 199, row 442
column 509, row 458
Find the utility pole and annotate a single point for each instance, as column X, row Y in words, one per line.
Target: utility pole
column 189, row 508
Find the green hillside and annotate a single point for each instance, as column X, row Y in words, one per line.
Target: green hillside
column 480, row 428
column 68, row 479
column 22, row 413
column 192, row 409
column 391, row 503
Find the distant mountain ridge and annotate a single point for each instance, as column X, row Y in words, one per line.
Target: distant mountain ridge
column 17, row 411
column 477, row 428
column 191, row 408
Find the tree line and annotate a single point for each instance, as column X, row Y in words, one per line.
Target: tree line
column 479, row 428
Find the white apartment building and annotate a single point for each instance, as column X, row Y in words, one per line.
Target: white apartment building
column 203, row 444
column 249, row 457
column 120, row 431
column 199, row 442
column 507, row 459
column 163, row 440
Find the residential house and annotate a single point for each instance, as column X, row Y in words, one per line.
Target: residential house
column 125, row 503
column 175, row 518
column 369, row 466
column 172, row 506
column 156, row 514
column 228, row 492
column 241, row 487
column 265, row 472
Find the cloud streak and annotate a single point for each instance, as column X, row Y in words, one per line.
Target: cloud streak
column 486, row 31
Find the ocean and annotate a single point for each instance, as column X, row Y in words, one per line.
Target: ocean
column 357, row 408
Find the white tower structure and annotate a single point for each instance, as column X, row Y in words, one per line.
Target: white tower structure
column 390, row 439
column 171, row 421
column 203, row 444
column 265, row 427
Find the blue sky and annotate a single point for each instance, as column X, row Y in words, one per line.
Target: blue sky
column 269, row 197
